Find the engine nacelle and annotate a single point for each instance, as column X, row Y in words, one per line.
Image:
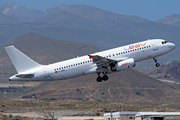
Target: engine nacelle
column 125, row 64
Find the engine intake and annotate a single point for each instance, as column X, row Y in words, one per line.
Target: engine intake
column 125, row 64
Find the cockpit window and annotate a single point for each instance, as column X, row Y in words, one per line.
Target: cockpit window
column 164, row 42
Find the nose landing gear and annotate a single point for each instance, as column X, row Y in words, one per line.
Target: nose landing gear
column 157, row 64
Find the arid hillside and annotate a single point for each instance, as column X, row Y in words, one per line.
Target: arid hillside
column 169, row 71
column 128, row 86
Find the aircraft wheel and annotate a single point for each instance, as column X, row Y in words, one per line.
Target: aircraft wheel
column 157, row 64
column 105, row 78
column 99, row 79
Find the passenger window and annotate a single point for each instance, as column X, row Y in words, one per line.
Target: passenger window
column 149, row 46
column 54, row 69
column 113, row 54
column 109, row 55
column 142, row 47
column 119, row 53
column 116, row 54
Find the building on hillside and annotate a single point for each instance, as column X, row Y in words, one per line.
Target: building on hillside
column 107, row 116
column 157, row 116
column 120, row 116
column 80, row 118
column 142, row 116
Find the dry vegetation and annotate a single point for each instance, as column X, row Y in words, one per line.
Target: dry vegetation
column 82, row 107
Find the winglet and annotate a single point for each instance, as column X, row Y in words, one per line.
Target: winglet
column 90, row 56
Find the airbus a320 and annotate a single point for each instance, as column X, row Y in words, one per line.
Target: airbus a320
column 102, row 63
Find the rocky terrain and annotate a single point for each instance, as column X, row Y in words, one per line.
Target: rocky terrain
column 43, row 108
column 169, row 71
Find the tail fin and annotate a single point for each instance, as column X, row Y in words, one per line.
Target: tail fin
column 20, row 61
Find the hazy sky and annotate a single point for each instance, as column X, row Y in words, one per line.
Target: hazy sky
column 149, row 9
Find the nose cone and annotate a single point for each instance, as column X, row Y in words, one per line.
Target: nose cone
column 172, row 46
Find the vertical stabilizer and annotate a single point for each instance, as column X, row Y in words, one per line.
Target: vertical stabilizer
column 20, row 61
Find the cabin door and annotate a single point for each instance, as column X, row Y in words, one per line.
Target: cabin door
column 154, row 45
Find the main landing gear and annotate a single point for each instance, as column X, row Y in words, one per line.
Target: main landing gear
column 157, row 64
column 100, row 79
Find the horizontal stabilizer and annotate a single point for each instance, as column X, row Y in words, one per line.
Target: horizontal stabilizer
column 25, row 75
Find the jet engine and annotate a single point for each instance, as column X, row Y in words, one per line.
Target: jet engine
column 125, row 64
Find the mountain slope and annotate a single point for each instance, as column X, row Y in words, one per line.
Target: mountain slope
column 2, row 17
column 105, row 29
column 169, row 71
column 171, row 20
column 11, row 9
column 12, row 19
column 86, row 17
column 127, row 86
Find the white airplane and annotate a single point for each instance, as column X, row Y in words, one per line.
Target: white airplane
column 104, row 62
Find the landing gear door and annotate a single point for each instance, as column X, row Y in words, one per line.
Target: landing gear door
column 46, row 73
column 154, row 45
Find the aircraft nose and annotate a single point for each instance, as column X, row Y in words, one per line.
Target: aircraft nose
column 172, row 46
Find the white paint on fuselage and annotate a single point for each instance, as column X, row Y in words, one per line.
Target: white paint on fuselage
column 77, row 66
column 138, row 54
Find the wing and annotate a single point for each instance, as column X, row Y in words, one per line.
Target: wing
column 103, row 62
